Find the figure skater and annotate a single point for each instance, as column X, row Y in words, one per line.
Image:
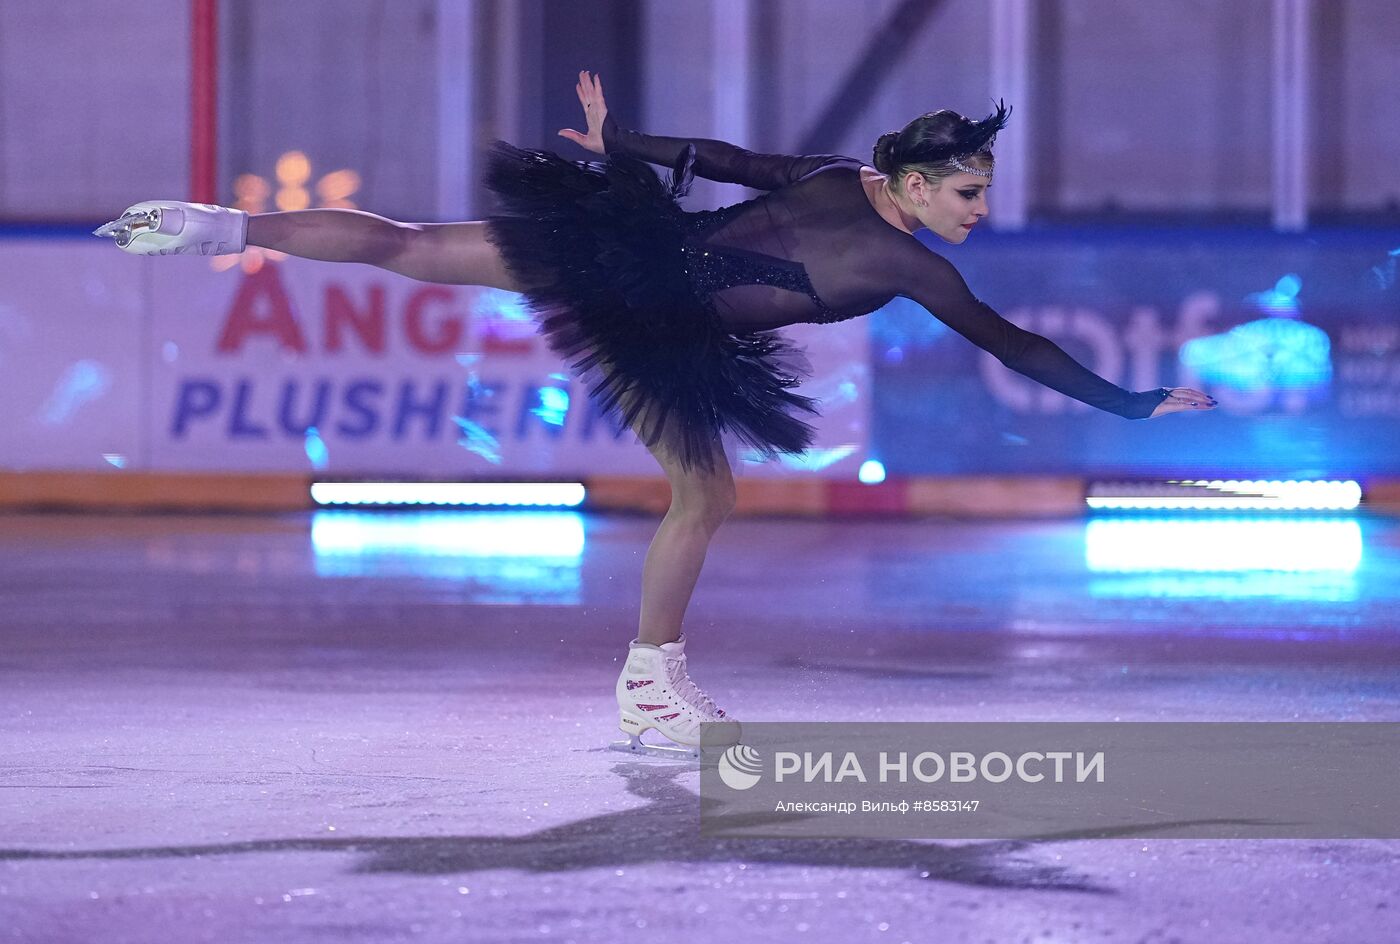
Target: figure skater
column 670, row 317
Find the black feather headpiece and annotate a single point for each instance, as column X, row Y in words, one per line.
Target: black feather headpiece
column 970, row 140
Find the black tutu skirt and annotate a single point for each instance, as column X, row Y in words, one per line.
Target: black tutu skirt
column 596, row 248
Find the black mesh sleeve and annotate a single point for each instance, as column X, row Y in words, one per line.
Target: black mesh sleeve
column 715, row 160
column 933, row 282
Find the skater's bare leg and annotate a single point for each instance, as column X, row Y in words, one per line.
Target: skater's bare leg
column 700, row 502
column 452, row 253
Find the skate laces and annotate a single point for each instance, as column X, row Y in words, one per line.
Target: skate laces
column 686, row 689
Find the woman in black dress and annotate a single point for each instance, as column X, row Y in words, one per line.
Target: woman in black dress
column 669, row 316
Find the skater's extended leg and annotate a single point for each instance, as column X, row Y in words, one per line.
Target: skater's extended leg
column 453, row 253
column 700, row 502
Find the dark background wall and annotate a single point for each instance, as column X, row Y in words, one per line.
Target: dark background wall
column 1161, row 110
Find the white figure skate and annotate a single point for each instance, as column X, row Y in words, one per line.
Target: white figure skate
column 655, row 691
column 175, row 228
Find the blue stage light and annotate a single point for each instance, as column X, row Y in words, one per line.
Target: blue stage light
column 872, row 472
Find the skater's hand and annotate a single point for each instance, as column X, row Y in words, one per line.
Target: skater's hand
column 590, row 95
column 1184, row 398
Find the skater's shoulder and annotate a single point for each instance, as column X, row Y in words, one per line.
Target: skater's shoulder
column 833, row 167
column 834, row 186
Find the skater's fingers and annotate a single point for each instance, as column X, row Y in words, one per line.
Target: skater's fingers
column 1178, row 404
column 1191, row 398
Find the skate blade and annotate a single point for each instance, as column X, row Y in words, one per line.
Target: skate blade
column 635, row 745
column 128, row 225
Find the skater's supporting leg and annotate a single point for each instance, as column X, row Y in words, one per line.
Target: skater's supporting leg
column 453, row 253
column 700, row 502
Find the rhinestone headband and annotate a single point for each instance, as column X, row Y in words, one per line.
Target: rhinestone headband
column 969, row 169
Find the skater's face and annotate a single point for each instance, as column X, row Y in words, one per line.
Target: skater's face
column 955, row 204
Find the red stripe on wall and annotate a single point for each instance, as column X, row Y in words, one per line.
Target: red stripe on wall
column 204, row 112
column 890, row 497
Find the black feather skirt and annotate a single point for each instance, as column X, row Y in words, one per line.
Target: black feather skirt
column 597, row 250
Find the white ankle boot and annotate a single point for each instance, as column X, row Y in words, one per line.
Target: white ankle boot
column 174, row 228
column 655, row 691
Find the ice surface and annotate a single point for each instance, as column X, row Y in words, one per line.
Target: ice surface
column 229, row 729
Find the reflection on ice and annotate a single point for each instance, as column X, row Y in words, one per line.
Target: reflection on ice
column 553, row 535
column 1223, row 544
column 1224, row 558
column 813, row 460
column 316, row 452
column 82, row 382
column 1319, row 587
column 506, row 556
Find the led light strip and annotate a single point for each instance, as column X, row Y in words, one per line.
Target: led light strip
column 1225, row 495
column 491, row 494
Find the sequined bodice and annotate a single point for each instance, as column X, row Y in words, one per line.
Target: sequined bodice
column 815, row 207
column 714, row 268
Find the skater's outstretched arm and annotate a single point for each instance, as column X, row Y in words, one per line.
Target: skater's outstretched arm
column 932, row 281
column 714, row 160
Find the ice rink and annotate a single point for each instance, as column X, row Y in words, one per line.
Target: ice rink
column 393, row 727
